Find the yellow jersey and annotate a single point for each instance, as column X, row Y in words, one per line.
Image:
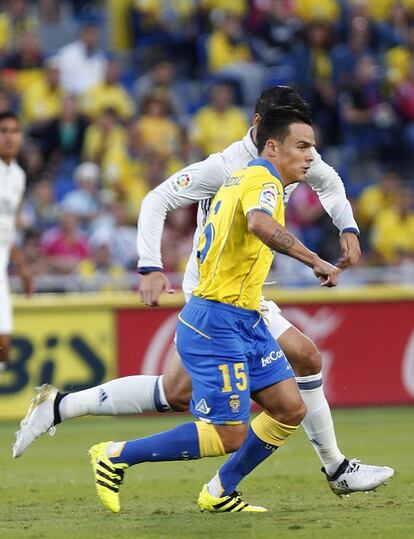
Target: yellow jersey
column 213, row 130
column 233, row 262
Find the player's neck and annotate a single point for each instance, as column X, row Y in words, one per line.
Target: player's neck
column 6, row 160
column 265, row 156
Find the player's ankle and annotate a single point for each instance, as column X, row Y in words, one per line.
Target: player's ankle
column 334, row 469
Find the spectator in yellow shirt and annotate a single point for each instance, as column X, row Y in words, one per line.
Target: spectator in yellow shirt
column 158, row 132
column 219, row 123
column 376, row 198
column 100, row 271
column 26, row 62
column 123, row 171
column 393, row 230
column 238, row 8
column 226, row 45
column 43, row 100
column 103, row 134
column 380, row 10
column 317, row 10
column 229, row 56
column 14, row 22
column 108, row 94
column 398, row 59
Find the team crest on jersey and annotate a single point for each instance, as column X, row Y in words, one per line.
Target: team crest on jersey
column 234, row 404
column 268, row 198
column 181, row 182
column 202, row 407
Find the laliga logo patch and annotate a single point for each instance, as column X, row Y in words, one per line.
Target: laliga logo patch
column 181, row 182
column 234, row 403
column 268, row 198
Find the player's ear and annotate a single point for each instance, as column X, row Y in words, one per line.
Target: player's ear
column 272, row 147
column 256, row 119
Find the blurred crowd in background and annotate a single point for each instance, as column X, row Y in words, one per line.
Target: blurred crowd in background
column 115, row 96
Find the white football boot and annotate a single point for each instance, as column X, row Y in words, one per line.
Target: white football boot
column 38, row 420
column 354, row 476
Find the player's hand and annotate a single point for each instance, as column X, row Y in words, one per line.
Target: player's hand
column 350, row 250
column 327, row 274
column 152, row 285
column 27, row 282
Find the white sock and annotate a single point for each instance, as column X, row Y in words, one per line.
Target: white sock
column 318, row 423
column 214, row 486
column 128, row 395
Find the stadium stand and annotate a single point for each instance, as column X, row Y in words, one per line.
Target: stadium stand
column 131, row 89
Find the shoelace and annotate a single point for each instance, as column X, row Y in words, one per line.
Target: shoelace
column 353, row 466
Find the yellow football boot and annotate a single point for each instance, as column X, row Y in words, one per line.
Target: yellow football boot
column 108, row 476
column 225, row 504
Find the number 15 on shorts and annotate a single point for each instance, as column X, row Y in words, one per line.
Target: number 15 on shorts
column 234, row 377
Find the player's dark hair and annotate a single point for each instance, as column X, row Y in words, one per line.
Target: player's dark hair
column 280, row 96
column 275, row 124
column 7, row 115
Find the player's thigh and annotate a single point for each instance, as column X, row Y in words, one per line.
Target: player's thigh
column 177, row 384
column 213, row 353
column 272, row 380
column 301, row 352
column 276, row 323
column 268, row 364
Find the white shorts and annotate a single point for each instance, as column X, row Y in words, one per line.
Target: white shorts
column 276, row 323
column 6, row 324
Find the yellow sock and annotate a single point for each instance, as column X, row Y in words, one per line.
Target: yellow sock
column 209, row 440
column 271, row 431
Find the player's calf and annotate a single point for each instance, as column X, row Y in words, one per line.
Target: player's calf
column 232, row 436
column 301, row 352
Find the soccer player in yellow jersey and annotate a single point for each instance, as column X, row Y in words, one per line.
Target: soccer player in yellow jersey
column 221, row 336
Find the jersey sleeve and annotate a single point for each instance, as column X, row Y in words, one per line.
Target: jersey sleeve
column 327, row 184
column 262, row 194
column 191, row 184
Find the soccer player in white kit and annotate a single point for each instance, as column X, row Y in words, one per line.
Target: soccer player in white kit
column 135, row 394
column 12, row 184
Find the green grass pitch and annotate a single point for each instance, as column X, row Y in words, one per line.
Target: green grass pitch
column 49, row 492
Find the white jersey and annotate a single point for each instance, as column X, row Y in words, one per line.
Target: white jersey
column 201, row 181
column 12, row 183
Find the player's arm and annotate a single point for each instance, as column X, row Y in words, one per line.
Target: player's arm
column 191, row 184
column 23, row 270
column 327, row 184
column 278, row 238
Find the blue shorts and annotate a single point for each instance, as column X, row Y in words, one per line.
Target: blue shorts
column 229, row 354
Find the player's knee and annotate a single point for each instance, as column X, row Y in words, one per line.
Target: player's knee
column 307, row 359
column 178, row 397
column 291, row 413
column 298, row 413
column 180, row 404
column 177, row 392
column 295, row 414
